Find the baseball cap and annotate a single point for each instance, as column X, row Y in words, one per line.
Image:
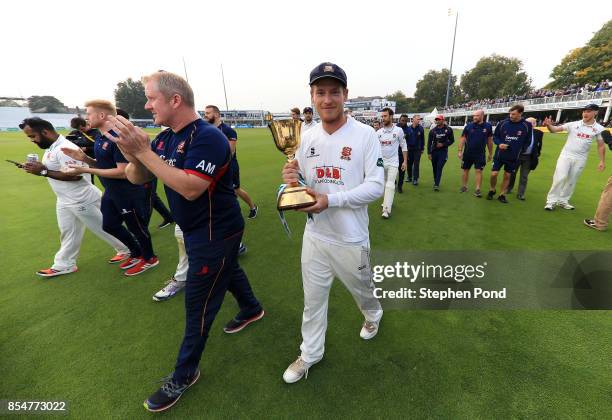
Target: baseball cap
column 591, row 107
column 327, row 69
column 307, row 109
column 439, row 117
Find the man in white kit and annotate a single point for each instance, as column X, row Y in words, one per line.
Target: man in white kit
column 309, row 122
column 391, row 137
column 341, row 163
column 573, row 157
column 78, row 201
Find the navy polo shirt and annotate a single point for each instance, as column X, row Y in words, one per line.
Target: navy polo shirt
column 517, row 135
column 107, row 156
column 476, row 136
column 202, row 150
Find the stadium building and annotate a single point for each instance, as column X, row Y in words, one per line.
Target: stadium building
column 561, row 108
column 369, row 103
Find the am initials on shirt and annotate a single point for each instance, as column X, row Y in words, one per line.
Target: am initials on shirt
column 209, row 168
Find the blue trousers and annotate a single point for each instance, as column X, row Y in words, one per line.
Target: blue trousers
column 414, row 160
column 134, row 209
column 213, row 270
column 438, row 160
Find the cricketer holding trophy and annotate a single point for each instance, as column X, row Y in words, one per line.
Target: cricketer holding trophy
column 286, row 135
column 341, row 163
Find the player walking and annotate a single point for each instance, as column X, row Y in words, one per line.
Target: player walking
column 340, row 159
column 78, row 201
column 573, row 157
column 391, row 137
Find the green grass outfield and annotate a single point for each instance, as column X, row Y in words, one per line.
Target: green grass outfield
column 96, row 339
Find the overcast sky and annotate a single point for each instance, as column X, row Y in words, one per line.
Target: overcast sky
column 79, row 50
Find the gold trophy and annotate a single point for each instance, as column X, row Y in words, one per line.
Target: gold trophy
column 286, row 134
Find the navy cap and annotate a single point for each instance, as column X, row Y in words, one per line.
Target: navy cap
column 324, row 70
column 307, row 109
column 591, row 107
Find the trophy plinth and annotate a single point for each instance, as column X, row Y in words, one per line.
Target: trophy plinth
column 286, row 135
column 295, row 198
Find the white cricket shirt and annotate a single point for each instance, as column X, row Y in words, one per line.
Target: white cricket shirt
column 68, row 192
column 347, row 166
column 390, row 139
column 579, row 138
column 306, row 126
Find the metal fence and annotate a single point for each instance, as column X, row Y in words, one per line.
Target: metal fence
column 550, row 100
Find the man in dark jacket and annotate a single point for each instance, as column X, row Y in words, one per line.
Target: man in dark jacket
column 415, row 141
column 528, row 161
column 403, row 124
column 440, row 137
column 83, row 136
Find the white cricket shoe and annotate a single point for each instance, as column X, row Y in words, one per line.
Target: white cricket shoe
column 170, row 289
column 549, row 207
column 385, row 214
column 297, row 370
column 566, row 206
column 369, row 330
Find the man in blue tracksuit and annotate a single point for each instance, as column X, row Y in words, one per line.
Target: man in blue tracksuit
column 440, row 137
column 403, row 124
column 415, row 140
column 192, row 158
column 512, row 137
column 122, row 201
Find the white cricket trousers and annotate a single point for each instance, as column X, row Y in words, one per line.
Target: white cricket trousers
column 564, row 180
column 321, row 262
column 390, row 178
column 72, row 221
column 183, row 263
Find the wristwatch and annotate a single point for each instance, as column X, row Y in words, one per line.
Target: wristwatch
column 44, row 171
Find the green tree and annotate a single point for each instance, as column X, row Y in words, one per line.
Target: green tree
column 431, row 91
column 130, row 97
column 46, row 104
column 589, row 64
column 494, row 77
column 402, row 103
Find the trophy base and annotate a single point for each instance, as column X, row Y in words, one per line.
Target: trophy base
column 295, row 198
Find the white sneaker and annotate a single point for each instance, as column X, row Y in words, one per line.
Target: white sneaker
column 566, row 206
column 369, row 330
column 385, row 214
column 297, row 370
column 171, row 288
column 549, row 207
